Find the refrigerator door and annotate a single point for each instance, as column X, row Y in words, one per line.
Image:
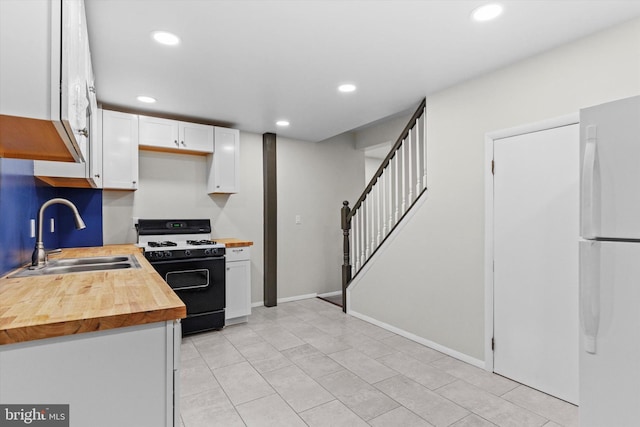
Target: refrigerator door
column 610, row 170
column 610, row 338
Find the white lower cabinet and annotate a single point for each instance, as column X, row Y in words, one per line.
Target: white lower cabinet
column 238, row 285
column 118, row 377
column 119, row 150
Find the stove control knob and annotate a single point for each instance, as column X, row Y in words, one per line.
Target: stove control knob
column 158, row 254
column 167, row 254
column 187, row 252
column 207, row 251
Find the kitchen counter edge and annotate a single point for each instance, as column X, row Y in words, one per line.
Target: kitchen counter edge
column 232, row 242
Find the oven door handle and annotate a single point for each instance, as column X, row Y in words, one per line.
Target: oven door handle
column 188, row 288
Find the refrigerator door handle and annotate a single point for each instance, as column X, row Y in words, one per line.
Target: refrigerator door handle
column 588, row 169
column 590, row 293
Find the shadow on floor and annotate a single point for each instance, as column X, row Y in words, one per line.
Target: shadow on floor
column 334, row 299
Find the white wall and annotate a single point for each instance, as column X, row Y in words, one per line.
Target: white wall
column 383, row 131
column 430, row 280
column 313, row 179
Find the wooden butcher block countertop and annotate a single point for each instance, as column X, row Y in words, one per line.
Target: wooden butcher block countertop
column 54, row 305
column 231, row 242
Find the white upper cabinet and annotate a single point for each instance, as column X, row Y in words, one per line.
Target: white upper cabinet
column 224, row 164
column 170, row 135
column 86, row 174
column 120, row 150
column 94, row 170
column 196, row 137
column 44, row 80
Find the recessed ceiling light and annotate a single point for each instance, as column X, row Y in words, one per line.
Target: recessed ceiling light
column 282, row 123
column 348, row 87
column 146, row 99
column 487, row 12
column 166, row 38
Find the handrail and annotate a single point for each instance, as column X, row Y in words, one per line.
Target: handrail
column 405, row 132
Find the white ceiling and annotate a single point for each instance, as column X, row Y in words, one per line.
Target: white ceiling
column 248, row 63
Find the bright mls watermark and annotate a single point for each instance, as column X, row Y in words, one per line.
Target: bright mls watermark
column 34, row 415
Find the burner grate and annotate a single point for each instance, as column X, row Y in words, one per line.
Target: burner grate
column 162, row 244
column 200, row 242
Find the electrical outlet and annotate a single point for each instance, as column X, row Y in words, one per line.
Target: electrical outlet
column 298, row 219
column 135, row 222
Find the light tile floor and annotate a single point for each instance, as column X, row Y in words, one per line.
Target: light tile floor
column 305, row 363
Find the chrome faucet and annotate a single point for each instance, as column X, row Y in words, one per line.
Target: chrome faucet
column 39, row 256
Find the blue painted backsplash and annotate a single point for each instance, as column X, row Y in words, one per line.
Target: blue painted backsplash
column 21, row 195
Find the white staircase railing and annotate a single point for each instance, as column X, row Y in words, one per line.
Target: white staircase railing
column 395, row 187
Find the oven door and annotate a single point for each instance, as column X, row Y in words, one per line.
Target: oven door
column 199, row 282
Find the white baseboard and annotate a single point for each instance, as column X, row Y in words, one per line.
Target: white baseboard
column 297, row 297
column 442, row 349
column 288, row 299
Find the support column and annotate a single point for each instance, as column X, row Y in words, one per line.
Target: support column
column 270, row 197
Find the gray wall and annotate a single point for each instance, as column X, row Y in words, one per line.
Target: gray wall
column 430, row 280
column 313, row 179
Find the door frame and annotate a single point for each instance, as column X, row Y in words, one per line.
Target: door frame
column 489, row 139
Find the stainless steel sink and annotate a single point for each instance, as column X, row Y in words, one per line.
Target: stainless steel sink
column 93, row 260
column 79, row 265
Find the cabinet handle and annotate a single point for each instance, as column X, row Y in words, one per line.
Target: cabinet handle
column 134, row 182
column 175, row 141
column 228, row 268
column 92, row 89
column 83, row 132
column 182, row 142
column 97, row 175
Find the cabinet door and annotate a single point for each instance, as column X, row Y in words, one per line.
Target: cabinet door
column 238, row 289
column 94, row 170
column 74, row 79
column 77, row 175
column 158, row 133
column 128, row 369
column 196, row 137
column 31, row 51
column 120, row 150
column 225, row 163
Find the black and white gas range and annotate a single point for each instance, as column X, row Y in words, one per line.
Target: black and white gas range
column 192, row 264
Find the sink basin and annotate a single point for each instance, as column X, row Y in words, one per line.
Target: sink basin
column 63, row 269
column 79, row 265
column 93, row 260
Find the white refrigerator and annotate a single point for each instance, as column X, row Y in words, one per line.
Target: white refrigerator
column 610, row 264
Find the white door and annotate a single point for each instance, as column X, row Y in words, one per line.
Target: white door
column 536, row 230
